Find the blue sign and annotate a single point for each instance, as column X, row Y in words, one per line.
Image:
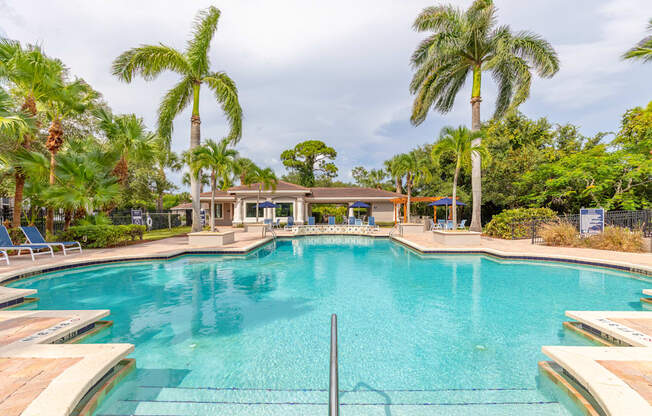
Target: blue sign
column 137, row 216
column 591, row 221
column 202, row 217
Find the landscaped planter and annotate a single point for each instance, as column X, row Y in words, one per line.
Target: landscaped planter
column 411, row 228
column 456, row 238
column 211, row 238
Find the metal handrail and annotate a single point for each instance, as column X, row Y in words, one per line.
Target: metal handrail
column 395, row 228
column 333, row 389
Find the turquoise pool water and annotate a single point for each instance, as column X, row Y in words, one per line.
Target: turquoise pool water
column 418, row 335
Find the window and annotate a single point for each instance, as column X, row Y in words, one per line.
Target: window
column 251, row 210
column 218, row 211
column 285, row 209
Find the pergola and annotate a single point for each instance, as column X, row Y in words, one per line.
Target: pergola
column 403, row 200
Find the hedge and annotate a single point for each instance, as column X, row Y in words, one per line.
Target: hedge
column 501, row 224
column 98, row 236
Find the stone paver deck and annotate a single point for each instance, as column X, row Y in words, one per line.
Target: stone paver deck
column 19, row 329
column 619, row 378
column 631, row 327
column 50, row 380
column 8, row 295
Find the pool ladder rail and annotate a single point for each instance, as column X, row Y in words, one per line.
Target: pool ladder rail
column 333, row 387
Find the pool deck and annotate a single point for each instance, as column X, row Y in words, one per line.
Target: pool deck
column 618, row 378
column 68, row 371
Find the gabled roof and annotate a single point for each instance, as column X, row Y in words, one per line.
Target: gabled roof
column 218, row 194
column 280, row 186
column 359, row 193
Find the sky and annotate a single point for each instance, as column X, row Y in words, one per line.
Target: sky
column 337, row 71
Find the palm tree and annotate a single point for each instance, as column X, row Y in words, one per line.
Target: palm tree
column 219, row 159
column 264, row 179
column 469, row 42
column 643, row 49
column 165, row 158
column 71, row 98
column 128, row 136
column 416, row 170
column 460, row 142
column 245, row 167
column 33, row 77
column 12, row 122
column 193, row 65
column 397, row 177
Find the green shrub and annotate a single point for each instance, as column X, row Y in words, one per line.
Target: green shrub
column 501, row 224
column 98, row 236
column 97, row 219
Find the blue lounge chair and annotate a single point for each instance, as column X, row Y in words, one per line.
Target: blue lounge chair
column 34, row 236
column 372, row 223
column 267, row 221
column 331, row 220
column 351, row 220
column 462, row 224
column 7, row 245
column 311, row 220
column 277, row 224
column 441, row 224
column 5, row 256
column 290, row 223
column 358, row 221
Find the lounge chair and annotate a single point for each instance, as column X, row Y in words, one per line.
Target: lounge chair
column 372, row 223
column 311, row 220
column 351, row 220
column 7, row 245
column 34, row 236
column 358, row 221
column 462, row 224
column 290, row 223
column 5, row 256
column 277, row 224
column 434, row 226
column 331, row 220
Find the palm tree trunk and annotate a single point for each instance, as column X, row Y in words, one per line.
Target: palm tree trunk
column 195, row 181
column 457, row 172
column 213, row 201
column 257, row 202
column 18, row 199
column 49, row 219
column 409, row 191
column 476, row 166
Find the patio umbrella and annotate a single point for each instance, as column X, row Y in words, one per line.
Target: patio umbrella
column 444, row 202
column 359, row 204
column 267, row 204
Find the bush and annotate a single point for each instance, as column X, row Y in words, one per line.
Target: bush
column 97, row 219
column 616, row 238
column 501, row 224
column 98, row 236
column 560, row 234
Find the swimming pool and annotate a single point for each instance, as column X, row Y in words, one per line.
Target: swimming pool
column 249, row 335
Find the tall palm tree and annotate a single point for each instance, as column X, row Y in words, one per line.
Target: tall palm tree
column 460, row 142
column 72, row 98
column 466, row 43
column 193, row 65
column 12, row 121
column 245, row 167
column 263, row 179
column 33, row 76
column 219, row 159
column 392, row 169
column 128, row 135
column 643, row 49
column 164, row 158
column 416, row 170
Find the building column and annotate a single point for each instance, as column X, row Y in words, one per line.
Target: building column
column 351, row 213
column 269, row 212
column 237, row 212
column 301, row 215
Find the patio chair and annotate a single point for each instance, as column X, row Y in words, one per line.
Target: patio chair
column 358, row 221
column 5, row 256
column 331, row 220
column 290, row 223
column 462, row 224
column 372, row 223
column 311, row 220
column 7, row 245
column 277, row 224
column 351, row 220
column 267, row 221
column 34, row 236
column 434, row 226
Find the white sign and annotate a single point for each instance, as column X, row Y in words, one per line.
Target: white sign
column 591, row 220
column 202, row 217
column 137, row 217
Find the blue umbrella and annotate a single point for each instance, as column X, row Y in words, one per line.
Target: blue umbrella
column 445, row 201
column 359, row 204
column 267, row 204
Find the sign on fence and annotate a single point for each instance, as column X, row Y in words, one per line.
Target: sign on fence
column 202, row 217
column 591, row 220
column 137, row 216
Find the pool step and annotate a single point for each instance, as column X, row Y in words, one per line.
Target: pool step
column 178, row 401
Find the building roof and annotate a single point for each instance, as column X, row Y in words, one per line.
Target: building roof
column 359, row 193
column 280, row 186
column 218, row 194
column 187, row 205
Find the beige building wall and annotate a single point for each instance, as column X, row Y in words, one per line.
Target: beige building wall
column 383, row 211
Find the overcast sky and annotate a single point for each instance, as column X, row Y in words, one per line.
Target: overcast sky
column 337, row 71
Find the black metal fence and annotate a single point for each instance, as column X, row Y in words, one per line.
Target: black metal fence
column 153, row 220
column 633, row 220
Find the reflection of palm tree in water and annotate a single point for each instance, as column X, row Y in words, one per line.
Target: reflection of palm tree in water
column 366, row 387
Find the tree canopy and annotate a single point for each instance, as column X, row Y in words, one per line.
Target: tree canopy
column 310, row 160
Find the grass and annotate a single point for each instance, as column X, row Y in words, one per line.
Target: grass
column 564, row 234
column 165, row 233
